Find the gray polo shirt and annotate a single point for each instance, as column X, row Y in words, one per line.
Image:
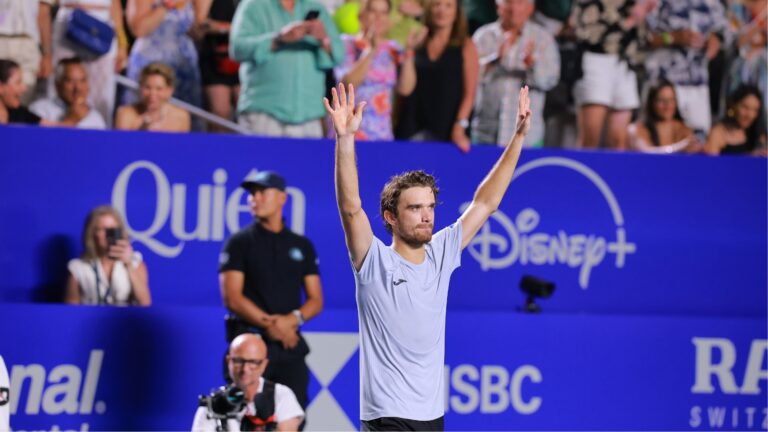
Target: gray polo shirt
column 401, row 308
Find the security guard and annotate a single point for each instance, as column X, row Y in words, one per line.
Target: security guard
column 263, row 269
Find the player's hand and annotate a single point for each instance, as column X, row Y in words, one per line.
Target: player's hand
column 346, row 117
column 523, row 113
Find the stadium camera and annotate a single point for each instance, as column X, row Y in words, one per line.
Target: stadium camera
column 535, row 288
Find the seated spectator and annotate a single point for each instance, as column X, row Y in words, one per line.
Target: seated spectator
column 446, row 79
column 161, row 28
column 285, row 48
column 375, row 65
column 71, row 107
column 101, row 69
column 109, row 271
column 739, row 132
column 154, row 111
column 12, row 89
column 513, row 51
column 661, row 129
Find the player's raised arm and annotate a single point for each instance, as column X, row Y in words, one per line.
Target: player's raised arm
column 491, row 190
column 346, row 120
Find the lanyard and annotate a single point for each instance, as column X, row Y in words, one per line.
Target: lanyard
column 106, row 298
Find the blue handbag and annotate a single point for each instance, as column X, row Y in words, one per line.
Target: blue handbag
column 90, row 33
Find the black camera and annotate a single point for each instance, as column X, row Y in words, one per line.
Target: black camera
column 113, row 235
column 535, row 288
column 225, row 402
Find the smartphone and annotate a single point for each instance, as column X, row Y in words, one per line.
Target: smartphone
column 113, row 235
column 312, row 15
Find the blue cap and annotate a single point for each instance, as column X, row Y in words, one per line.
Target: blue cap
column 265, row 180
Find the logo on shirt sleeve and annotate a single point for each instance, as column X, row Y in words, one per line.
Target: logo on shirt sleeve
column 295, row 254
column 223, row 258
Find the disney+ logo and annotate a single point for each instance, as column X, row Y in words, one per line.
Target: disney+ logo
column 518, row 242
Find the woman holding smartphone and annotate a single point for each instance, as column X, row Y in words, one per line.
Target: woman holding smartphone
column 109, row 271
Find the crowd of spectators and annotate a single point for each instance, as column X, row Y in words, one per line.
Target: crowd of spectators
column 645, row 75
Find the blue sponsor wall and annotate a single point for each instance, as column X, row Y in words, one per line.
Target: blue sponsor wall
column 617, row 233
column 505, row 370
column 658, row 320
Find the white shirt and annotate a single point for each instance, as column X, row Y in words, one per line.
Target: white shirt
column 100, row 9
column 19, row 18
column 55, row 110
column 402, row 307
column 94, row 288
column 286, row 408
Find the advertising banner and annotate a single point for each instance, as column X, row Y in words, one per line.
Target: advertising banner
column 616, row 232
column 97, row 368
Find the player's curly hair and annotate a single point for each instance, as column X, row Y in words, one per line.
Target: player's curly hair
column 390, row 195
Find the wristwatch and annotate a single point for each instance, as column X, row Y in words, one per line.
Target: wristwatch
column 299, row 318
column 464, row 123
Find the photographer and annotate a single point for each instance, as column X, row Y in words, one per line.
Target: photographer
column 264, row 405
column 109, row 271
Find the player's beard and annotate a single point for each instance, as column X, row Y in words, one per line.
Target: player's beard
column 418, row 237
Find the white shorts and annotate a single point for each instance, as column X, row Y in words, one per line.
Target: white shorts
column 607, row 81
column 694, row 105
column 266, row 125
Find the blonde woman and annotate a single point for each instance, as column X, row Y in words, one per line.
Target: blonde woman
column 109, row 272
column 154, row 112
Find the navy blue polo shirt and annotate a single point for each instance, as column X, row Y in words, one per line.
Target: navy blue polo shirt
column 274, row 265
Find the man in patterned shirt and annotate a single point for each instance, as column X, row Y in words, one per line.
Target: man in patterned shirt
column 684, row 36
